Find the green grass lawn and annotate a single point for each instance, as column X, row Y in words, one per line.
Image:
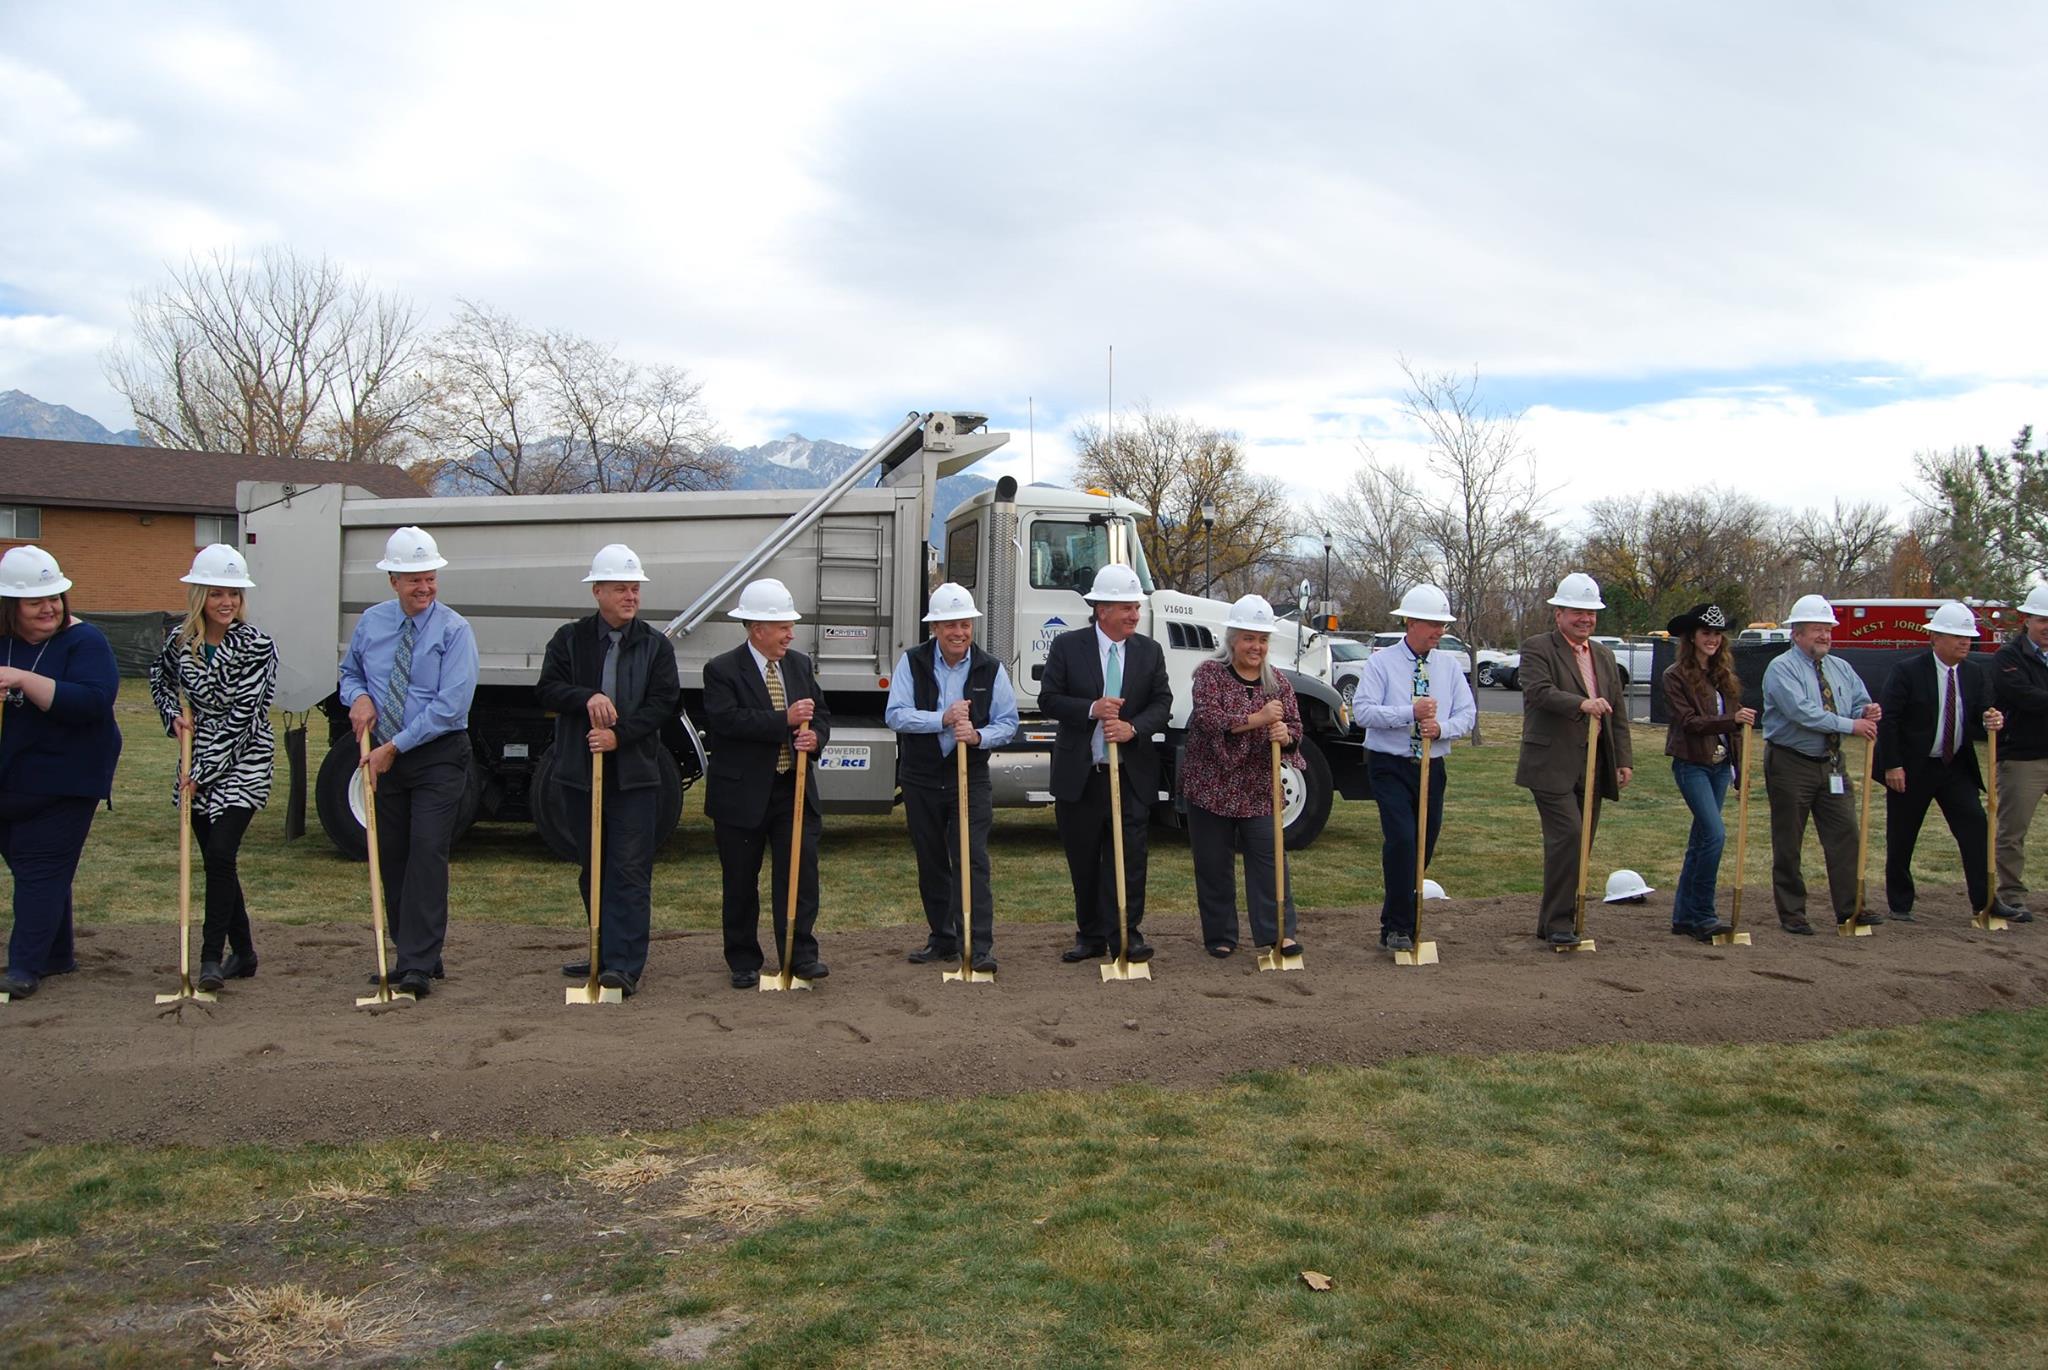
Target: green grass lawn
column 1879, row 1200
column 503, row 873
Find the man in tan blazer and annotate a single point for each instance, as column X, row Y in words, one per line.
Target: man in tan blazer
column 1567, row 678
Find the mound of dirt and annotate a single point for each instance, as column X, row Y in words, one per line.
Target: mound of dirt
column 494, row 1052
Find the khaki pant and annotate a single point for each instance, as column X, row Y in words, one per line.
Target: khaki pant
column 1797, row 786
column 2020, row 787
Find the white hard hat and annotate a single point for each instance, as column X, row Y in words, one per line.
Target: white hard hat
column 1251, row 614
column 1432, row 890
column 1426, row 601
column 2036, row 602
column 1115, row 583
column 28, row 572
column 219, row 564
column 1626, row 885
column 1810, row 609
column 766, row 601
column 614, row 561
column 412, row 549
column 1578, row 591
column 1953, row 620
column 950, row 602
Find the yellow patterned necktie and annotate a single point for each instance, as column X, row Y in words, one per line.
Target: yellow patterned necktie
column 784, row 759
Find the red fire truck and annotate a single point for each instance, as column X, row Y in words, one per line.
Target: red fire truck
column 1903, row 622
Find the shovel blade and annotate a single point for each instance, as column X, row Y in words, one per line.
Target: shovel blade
column 592, row 994
column 773, row 983
column 1731, row 939
column 1127, row 970
column 969, row 977
column 196, row 994
column 1423, row 955
column 387, row 995
column 1585, row 944
column 1986, row 922
column 1852, row 930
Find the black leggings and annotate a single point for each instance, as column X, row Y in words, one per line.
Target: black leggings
column 227, row 917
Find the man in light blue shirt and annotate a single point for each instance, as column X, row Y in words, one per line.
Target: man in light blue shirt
column 1410, row 697
column 1813, row 701
column 407, row 678
column 947, row 695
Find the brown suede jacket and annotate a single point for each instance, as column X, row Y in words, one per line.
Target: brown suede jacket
column 1695, row 728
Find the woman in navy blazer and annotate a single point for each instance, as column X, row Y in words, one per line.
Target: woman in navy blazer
column 58, row 746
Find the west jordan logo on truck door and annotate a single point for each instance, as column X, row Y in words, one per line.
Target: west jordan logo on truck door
column 1054, row 626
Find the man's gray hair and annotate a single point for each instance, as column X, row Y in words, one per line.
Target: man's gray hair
column 1268, row 681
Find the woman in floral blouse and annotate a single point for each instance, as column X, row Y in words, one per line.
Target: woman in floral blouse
column 1241, row 706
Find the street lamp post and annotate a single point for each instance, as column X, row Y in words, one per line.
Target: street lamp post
column 1208, row 523
column 1326, row 570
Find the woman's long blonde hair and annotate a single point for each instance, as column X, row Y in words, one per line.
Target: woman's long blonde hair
column 192, row 632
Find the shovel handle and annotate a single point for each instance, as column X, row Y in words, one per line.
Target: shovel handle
column 596, row 856
column 966, row 888
column 796, row 858
column 1116, row 843
column 1279, row 860
column 1741, row 828
column 1421, row 840
column 376, row 867
column 1587, row 798
column 1991, row 827
column 185, row 843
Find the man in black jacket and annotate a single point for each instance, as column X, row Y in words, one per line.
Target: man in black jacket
column 610, row 680
column 1934, row 706
column 2020, row 671
column 1106, row 683
column 763, row 705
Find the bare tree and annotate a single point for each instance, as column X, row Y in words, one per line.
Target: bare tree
column 1378, row 539
column 488, row 423
column 1847, row 551
column 1656, row 554
column 1174, row 466
column 273, row 356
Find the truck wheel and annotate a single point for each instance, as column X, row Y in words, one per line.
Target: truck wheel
column 1485, row 674
column 1305, row 797
column 330, row 798
column 563, row 816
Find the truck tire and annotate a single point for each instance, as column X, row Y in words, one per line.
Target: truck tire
column 563, row 816
column 338, row 820
column 1485, row 675
column 1305, row 797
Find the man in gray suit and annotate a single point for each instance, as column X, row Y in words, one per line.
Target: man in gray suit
column 1566, row 679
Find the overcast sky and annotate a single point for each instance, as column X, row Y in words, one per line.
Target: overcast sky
column 1781, row 247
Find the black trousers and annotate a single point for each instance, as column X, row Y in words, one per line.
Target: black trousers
column 627, row 914
column 740, row 850
column 417, row 800
column 1091, row 863
column 227, row 915
column 934, row 817
column 1397, row 789
column 1217, row 842
column 41, row 837
column 1954, row 791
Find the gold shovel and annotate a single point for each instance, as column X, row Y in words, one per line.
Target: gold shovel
column 594, row 993
column 1122, row 968
column 385, row 994
column 967, row 973
column 1585, row 943
column 1854, row 927
column 1272, row 958
column 1425, row 952
column 1735, row 936
column 787, row 979
column 185, row 986
column 1986, row 919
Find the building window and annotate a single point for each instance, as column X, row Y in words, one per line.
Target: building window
column 23, row 521
column 208, row 529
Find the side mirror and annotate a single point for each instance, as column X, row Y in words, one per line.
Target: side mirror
column 1302, row 602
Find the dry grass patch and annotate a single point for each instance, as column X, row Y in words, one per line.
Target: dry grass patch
column 742, row 1197
column 622, row 1173
column 289, row 1324
column 339, row 1194
column 417, row 1177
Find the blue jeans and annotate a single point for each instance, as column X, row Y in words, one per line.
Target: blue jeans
column 1703, row 787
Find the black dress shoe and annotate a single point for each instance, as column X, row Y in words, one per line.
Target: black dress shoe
column 1564, row 939
column 1398, row 941
column 986, row 963
column 1290, row 948
column 745, row 979
column 2011, row 913
column 1898, row 915
column 810, row 970
column 210, row 977
column 930, row 952
column 19, row 984
column 1706, row 932
column 238, row 966
column 416, row 983
column 625, row 984
column 1219, row 950
column 1798, row 927
column 1869, row 919
column 577, row 970
column 1083, row 950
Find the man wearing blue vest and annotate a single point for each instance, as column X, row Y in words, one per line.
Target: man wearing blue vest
column 946, row 694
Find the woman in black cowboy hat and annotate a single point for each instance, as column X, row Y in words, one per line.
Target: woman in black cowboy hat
column 1704, row 699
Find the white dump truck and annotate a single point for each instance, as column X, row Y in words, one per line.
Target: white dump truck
column 857, row 558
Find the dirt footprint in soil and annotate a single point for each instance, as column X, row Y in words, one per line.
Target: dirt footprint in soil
column 846, row 1032
column 1046, row 1034
column 903, row 1003
column 710, row 1020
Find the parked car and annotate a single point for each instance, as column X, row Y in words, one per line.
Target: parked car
column 1347, row 660
column 1449, row 644
column 1632, row 659
column 1491, row 662
column 1760, row 636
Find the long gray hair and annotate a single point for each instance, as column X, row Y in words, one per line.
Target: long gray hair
column 1268, row 681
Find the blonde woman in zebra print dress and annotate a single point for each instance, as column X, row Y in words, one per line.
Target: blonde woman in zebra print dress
column 225, row 668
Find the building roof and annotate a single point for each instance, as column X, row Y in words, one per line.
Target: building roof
column 168, row 479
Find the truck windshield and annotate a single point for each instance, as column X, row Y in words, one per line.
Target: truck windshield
column 1066, row 554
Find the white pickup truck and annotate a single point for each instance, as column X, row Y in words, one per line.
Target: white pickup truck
column 1632, row 658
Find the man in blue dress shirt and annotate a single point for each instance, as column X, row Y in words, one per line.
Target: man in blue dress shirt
column 408, row 678
column 948, row 693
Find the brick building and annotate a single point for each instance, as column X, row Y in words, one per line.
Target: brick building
column 124, row 521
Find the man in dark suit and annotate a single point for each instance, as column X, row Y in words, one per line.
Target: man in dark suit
column 1935, row 705
column 1566, row 679
column 758, row 699
column 1106, row 683
column 610, row 680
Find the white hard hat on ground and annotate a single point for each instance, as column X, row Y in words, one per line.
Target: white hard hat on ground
column 411, row 549
column 1426, row 601
column 1578, row 591
column 614, row 561
column 950, row 602
column 766, row 601
column 1115, row 583
column 28, row 572
column 1626, row 885
column 219, row 564
column 1432, row 890
column 1810, row 609
column 1251, row 614
column 1953, row 620
column 2036, row 602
